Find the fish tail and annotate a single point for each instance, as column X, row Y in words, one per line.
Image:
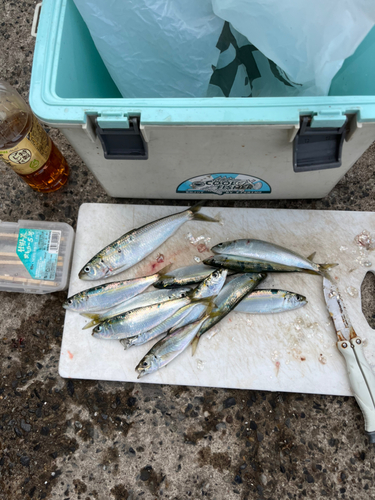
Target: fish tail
column 195, row 215
column 324, row 268
column 311, row 257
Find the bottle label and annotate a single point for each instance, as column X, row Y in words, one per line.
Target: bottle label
column 38, row 250
column 31, row 153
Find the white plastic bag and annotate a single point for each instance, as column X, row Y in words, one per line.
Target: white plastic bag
column 155, row 48
column 309, row 40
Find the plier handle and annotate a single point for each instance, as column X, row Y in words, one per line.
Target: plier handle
column 350, row 345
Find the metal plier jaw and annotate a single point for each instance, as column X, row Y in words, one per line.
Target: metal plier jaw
column 350, row 345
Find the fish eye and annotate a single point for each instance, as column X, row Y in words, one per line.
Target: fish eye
column 144, row 363
column 70, row 301
column 99, row 328
column 119, row 250
column 87, row 269
column 215, row 274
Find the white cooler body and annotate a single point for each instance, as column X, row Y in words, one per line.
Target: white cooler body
column 215, row 162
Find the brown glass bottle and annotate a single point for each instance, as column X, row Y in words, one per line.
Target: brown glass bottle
column 26, row 147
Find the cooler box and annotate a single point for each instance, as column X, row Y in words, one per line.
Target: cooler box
column 206, row 148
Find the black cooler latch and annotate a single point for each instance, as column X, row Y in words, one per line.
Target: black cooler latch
column 317, row 148
column 123, row 143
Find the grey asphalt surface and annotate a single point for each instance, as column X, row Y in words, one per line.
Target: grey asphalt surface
column 72, row 439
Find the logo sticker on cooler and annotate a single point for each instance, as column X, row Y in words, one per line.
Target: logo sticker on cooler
column 224, row 183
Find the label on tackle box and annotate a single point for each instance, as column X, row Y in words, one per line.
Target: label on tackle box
column 224, row 183
column 38, row 250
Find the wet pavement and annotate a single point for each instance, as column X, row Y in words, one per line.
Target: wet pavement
column 77, row 439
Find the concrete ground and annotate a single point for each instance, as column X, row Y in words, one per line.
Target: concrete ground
column 77, row 439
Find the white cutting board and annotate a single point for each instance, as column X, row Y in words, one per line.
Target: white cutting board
column 281, row 352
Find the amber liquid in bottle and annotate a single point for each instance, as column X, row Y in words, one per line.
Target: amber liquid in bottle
column 51, row 171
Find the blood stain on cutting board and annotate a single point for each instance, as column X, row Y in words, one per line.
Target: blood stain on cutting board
column 159, row 260
column 202, row 248
column 173, row 257
column 185, row 244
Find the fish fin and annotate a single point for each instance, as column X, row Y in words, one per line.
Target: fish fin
column 90, row 315
column 194, row 345
column 206, row 300
column 211, row 305
column 324, row 268
column 197, row 216
column 126, row 343
column 311, row 257
column 214, row 314
column 163, row 271
column 92, row 323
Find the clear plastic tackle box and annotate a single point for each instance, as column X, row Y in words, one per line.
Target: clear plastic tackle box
column 35, row 257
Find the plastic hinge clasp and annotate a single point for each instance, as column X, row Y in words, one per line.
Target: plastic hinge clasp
column 34, row 26
column 317, row 148
column 127, row 143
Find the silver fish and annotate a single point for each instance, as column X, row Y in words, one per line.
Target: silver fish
column 188, row 275
column 135, row 245
column 141, row 300
column 194, row 314
column 248, row 265
column 211, row 285
column 232, row 293
column 271, row 253
column 270, row 301
column 167, row 349
column 102, row 297
column 139, row 320
column 184, row 316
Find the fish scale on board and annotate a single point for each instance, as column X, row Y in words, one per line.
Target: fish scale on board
column 285, row 356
